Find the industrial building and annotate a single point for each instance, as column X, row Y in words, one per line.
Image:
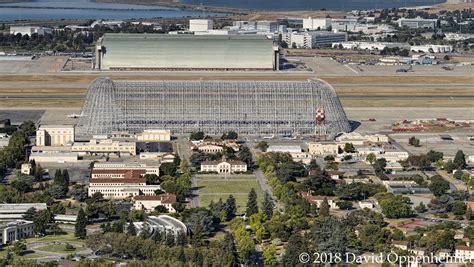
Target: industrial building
column 432, row 48
column 313, row 39
column 260, row 25
column 369, row 45
column 16, row 211
column 186, row 52
column 215, row 107
column 29, row 30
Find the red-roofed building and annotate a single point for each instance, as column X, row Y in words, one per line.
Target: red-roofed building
column 318, row 200
column 148, row 203
column 464, row 252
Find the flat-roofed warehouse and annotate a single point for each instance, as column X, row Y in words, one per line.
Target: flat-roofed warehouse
column 186, row 52
column 215, row 107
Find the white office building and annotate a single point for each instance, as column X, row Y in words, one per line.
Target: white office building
column 200, row 25
column 15, row 231
column 417, row 23
column 313, row 39
column 317, row 24
column 29, row 30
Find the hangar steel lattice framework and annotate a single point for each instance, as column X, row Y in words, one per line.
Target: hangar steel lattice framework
column 215, row 107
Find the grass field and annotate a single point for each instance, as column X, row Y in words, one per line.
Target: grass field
column 69, row 238
column 58, row 248
column 404, row 91
column 213, row 187
column 40, row 103
column 407, row 102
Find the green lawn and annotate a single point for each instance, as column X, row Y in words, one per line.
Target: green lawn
column 69, row 238
column 58, row 248
column 212, row 188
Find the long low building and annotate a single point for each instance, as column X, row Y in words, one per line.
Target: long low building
column 215, row 107
column 186, row 52
column 17, row 210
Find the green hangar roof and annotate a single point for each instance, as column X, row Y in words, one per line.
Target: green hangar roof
column 185, row 51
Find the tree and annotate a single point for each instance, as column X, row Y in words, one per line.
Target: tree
column 30, row 214
column 246, row 156
column 459, row 208
column 324, row 208
column 131, row 230
column 394, row 206
column 28, row 127
column 404, row 53
column 19, row 248
column 80, row 230
column 459, row 160
column 232, row 135
column 349, row 148
column 168, row 168
column 371, row 158
column 296, row 244
column 413, row 141
column 269, row 256
column 438, row 186
column 152, row 179
column 344, row 204
column 330, row 235
column 421, row 208
column 449, row 166
column 262, row 145
column 41, row 221
column 196, row 136
column 458, row 174
column 252, row 206
column 267, row 205
column 79, row 193
column 320, row 184
column 228, row 251
column 230, row 208
column 434, row 156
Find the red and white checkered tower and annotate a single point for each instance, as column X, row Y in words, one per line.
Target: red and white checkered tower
column 320, row 117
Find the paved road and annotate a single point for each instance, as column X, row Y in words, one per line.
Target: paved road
column 262, row 180
column 459, row 185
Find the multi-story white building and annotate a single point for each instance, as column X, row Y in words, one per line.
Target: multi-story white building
column 154, row 135
column 55, row 135
column 15, row 231
column 116, row 188
column 317, row 24
column 313, row 39
column 149, row 203
column 29, row 30
column 464, row 252
column 200, row 25
column 416, row 23
column 259, row 26
column 105, row 146
column 223, row 166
